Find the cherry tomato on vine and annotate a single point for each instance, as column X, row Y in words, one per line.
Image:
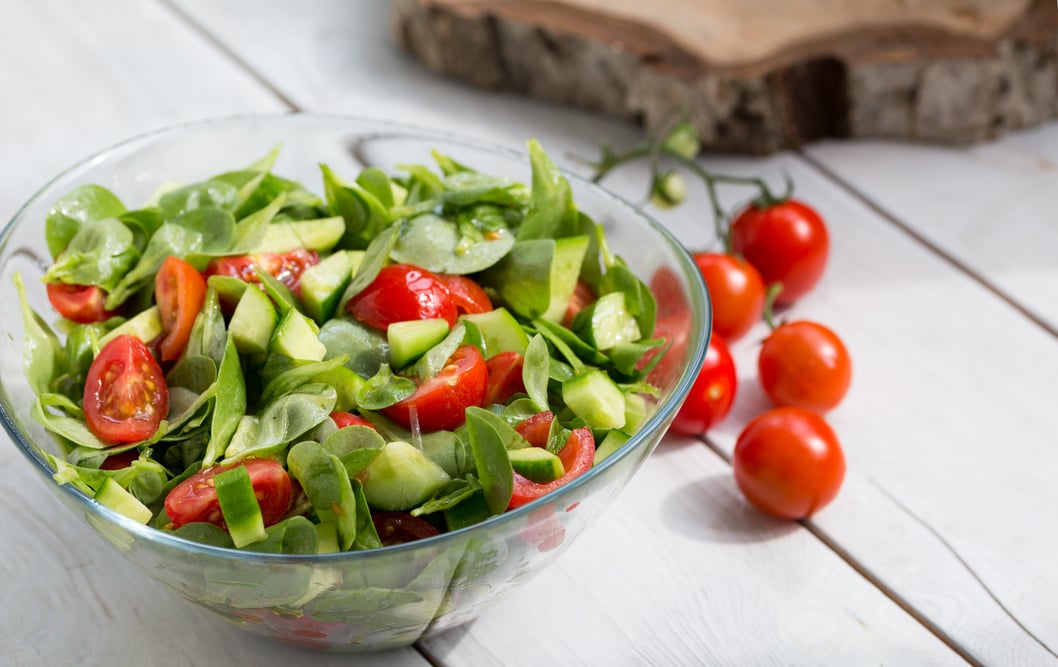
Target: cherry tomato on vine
column 125, row 395
column 400, row 527
column 403, row 292
column 180, row 291
column 79, row 303
column 440, row 403
column 788, row 462
column 712, row 394
column 195, row 498
column 787, row 242
column 467, row 295
column 805, row 365
column 735, row 290
column 286, row 267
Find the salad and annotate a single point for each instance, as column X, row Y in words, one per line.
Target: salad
column 250, row 365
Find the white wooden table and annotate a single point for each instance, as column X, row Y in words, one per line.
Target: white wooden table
column 943, row 282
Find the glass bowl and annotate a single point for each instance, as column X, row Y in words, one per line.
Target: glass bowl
column 368, row 599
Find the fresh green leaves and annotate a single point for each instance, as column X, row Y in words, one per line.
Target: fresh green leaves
column 100, row 253
column 489, row 449
column 81, row 206
column 384, row 389
column 551, row 212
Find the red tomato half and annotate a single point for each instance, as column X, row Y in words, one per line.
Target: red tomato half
column 403, row 292
column 286, row 267
column 712, row 394
column 505, row 377
column 125, row 395
column 536, row 428
column 788, row 243
column 180, row 291
column 466, row 294
column 736, row 292
column 788, row 462
column 80, row 303
column 400, row 527
column 440, row 403
column 195, row 498
column 578, row 456
column 343, row 419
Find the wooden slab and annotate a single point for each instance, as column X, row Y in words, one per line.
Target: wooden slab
column 760, row 76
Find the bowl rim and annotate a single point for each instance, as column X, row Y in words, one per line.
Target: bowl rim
column 701, row 317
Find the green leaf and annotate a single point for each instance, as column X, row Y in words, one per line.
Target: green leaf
column 490, row 457
column 298, row 374
column 364, row 347
column 535, row 372
column 230, row 403
column 295, row 535
column 42, row 355
column 79, row 207
column 430, row 364
column 99, row 254
column 208, row 194
column 557, row 339
column 366, row 534
column 208, row 334
column 169, row 240
column 469, row 187
column 384, row 389
column 375, row 257
column 365, row 216
column 551, row 212
column 377, row 184
column 355, row 446
column 625, row 356
column 291, row 416
column 216, row 227
column 439, row 245
column 327, row 484
column 638, row 298
column 449, row 496
column 448, row 165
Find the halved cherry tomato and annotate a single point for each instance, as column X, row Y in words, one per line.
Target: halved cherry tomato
column 180, row 291
column 286, row 267
column 577, row 455
column 80, row 303
column 195, row 498
column 400, row 527
column 788, row 243
column 440, row 403
column 736, row 292
column 536, row 428
column 119, row 461
column 804, row 364
column 712, row 394
column 467, row 295
column 403, row 292
column 582, row 297
column 343, row 419
column 505, row 377
column 788, row 462
column 125, row 395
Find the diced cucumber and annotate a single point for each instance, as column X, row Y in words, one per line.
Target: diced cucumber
column 238, row 504
column 253, row 322
column 400, row 478
column 326, row 538
column 636, row 410
column 596, row 399
column 501, row 331
column 323, row 284
column 410, row 340
column 110, row 494
column 297, row 337
column 537, row 277
column 565, row 269
column 536, row 464
column 613, row 441
column 606, row 323
column 146, row 326
column 320, row 235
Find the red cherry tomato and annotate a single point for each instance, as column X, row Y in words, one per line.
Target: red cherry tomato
column 195, row 498
column 180, row 291
column 466, row 294
column 505, row 377
column 788, row 243
column 125, row 395
column 119, row 461
column 80, row 303
column 343, row 419
column 735, row 290
column 577, row 455
column 298, row 630
column 402, row 292
column 712, row 394
column 286, row 267
column 805, row 365
column 400, row 527
column 788, row 462
column 440, row 403
column 582, row 297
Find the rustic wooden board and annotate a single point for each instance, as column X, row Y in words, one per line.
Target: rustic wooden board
column 756, row 77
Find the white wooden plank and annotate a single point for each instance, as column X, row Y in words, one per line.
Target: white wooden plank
column 77, row 77
column 990, row 206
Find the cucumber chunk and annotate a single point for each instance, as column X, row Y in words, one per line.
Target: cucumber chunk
column 607, row 323
column 323, row 284
column 253, row 322
column 596, row 399
column 613, row 441
column 320, row 235
column 410, row 340
column 146, row 326
column 110, row 494
column 297, row 337
column 501, row 332
column 238, row 504
column 536, row 464
column 401, row 477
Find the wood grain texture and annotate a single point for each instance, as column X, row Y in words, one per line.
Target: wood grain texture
column 916, row 80
column 78, row 77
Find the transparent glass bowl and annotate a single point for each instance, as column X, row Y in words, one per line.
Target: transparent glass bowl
column 371, row 599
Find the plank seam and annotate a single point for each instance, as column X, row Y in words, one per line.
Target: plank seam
column 933, row 247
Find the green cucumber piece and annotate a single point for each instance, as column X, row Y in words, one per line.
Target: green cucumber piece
column 401, row 477
column 110, row 494
column 253, row 322
column 346, row 383
column 613, row 441
column 596, row 399
column 636, row 411
column 538, row 277
column 500, row 330
column 410, row 340
column 536, row 464
column 323, row 284
column 327, row 538
column 146, row 326
column 320, row 235
column 297, row 337
column 607, row 322
column 238, row 504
